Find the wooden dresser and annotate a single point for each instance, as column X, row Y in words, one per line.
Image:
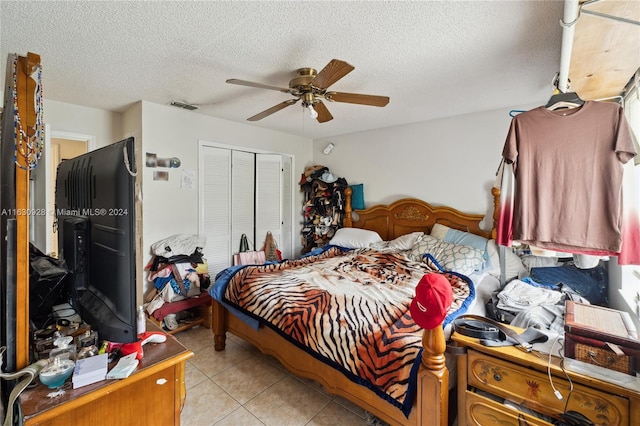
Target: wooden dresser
column 487, row 376
column 153, row 395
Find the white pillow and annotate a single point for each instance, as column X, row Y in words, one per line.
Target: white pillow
column 405, row 242
column 539, row 262
column 439, row 231
column 402, row 243
column 494, row 258
column 513, row 264
column 354, row 238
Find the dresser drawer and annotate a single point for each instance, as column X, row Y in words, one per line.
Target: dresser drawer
column 482, row 411
column 532, row 389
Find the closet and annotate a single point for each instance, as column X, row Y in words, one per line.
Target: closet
column 243, row 192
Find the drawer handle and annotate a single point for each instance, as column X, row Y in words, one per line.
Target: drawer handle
column 609, row 360
column 497, row 377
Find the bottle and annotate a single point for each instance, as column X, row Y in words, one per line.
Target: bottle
column 141, row 324
column 63, row 348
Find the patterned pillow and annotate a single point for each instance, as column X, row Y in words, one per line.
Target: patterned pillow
column 452, row 257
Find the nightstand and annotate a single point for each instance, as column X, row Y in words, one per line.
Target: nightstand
column 489, row 375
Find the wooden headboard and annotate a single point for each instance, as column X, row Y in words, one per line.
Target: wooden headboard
column 411, row 214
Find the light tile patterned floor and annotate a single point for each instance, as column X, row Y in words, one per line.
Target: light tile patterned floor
column 241, row 386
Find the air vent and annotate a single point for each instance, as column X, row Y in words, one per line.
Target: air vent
column 183, row 105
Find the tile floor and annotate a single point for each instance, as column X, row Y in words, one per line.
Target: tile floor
column 241, row 386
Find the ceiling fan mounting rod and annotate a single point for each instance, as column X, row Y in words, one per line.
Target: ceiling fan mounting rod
column 308, row 72
column 304, row 78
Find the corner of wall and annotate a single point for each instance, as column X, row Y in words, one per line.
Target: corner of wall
column 132, row 126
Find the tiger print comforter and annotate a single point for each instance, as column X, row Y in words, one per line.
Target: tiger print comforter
column 349, row 309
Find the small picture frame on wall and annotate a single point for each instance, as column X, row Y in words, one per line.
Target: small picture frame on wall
column 158, row 175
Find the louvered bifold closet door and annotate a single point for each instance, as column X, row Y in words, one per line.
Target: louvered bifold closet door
column 215, row 206
column 286, row 242
column 243, row 191
column 268, row 197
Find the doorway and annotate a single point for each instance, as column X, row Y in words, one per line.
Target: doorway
column 59, row 146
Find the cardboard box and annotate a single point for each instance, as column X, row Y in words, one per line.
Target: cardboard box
column 601, row 336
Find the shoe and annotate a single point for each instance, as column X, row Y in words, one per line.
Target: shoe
column 171, row 322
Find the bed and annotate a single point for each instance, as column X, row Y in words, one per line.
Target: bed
column 429, row 395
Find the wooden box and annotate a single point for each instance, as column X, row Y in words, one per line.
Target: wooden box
column 601, row 336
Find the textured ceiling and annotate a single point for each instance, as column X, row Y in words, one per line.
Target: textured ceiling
column 433, row 59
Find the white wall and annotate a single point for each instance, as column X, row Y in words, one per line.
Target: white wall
column 449, row 161
column 170, row 132
column 132, row 126
column 104, row 125
column 71, row 122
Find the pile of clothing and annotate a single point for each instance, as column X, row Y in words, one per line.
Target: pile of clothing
column 526, row 303
column 323, row 208
column 177, row 270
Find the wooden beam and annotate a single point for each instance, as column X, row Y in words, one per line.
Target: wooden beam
column 606, row 52
column 25, row 90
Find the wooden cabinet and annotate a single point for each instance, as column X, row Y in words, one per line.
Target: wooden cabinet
column 489, row 376
column 481, row 410
column 153, row 395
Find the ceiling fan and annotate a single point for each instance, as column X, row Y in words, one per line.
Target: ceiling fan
column 311, row 87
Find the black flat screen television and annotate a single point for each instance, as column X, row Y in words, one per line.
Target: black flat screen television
column 95, row 210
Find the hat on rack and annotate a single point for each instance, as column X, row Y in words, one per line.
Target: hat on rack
column 328, row 177
column 313, row 171
column 433, row 299
column 318, row 187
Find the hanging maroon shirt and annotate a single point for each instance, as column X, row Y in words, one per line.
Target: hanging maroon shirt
column 568, row 167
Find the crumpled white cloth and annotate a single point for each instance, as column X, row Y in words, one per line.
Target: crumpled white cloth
column 545, row 317
column 586, row 261
column 178, row 244
column 518, row 295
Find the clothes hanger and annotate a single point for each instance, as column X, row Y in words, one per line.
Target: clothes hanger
column 564, row 100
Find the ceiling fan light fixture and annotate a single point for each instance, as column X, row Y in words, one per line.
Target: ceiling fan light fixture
column 312, row 111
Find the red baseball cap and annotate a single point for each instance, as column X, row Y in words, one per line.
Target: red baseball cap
column 433, row 299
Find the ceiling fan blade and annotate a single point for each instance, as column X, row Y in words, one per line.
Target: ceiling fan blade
column 258, row 85
column 332, row 72
column 356, row 98
column 268, row 112
column 323, row 113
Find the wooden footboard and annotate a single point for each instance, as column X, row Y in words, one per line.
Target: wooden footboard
column 432, row 398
